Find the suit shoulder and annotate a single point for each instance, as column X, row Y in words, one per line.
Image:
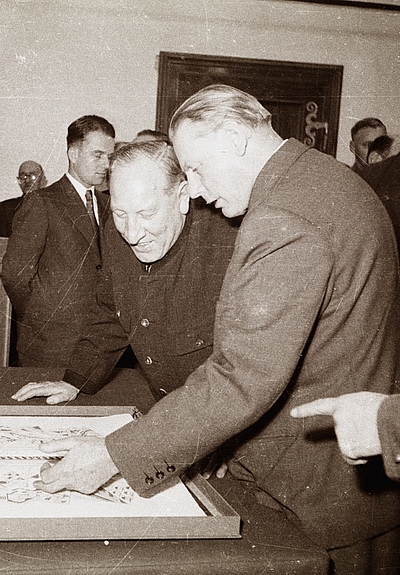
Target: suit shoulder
column 55, row 187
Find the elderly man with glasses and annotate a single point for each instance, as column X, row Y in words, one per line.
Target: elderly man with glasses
column 30, row 177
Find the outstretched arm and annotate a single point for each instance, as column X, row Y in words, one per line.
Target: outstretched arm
column 355, row 417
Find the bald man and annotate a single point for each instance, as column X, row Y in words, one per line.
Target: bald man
column 30, row 177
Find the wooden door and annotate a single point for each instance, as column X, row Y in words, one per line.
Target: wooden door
column 304, row 99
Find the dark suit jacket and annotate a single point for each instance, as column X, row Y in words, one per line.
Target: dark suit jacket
column 166, row 314
column 389, row 435
column 7, row 211
column 50, row 272
column 384, row 178
column 308, row 309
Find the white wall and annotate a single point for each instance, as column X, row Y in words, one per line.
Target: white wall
column 65, row 58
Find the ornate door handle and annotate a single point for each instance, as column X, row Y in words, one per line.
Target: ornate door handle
column 312, row 125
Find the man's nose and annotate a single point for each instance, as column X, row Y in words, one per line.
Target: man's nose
column 195, row 187
column 104, row 161
column 134, row 231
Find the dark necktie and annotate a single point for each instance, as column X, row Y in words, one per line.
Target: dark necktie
column 90, row 209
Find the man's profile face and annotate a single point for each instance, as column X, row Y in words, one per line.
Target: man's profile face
column 362, row 141
column 212, row 167
column 88, row 159
column 149, row 219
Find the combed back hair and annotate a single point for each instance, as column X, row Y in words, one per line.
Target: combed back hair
column 366, row 123
column 150, row 135
column 217, row 103
column 86, row 124
column 160, row 152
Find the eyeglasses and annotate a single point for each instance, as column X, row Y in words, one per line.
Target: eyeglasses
column 25, row 177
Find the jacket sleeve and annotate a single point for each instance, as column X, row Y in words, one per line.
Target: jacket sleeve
column 24, row 250
column 97, row 351
column 389, row 434
column 271, row 296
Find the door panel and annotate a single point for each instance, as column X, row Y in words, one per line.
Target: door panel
column 304, row 99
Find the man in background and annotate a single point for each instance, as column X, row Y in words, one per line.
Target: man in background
column 363, row 133
column 52, row 261
column 384, row 178
column 150, row 135
column 30, row 177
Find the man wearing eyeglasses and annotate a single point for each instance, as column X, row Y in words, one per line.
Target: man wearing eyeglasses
column 30, row 177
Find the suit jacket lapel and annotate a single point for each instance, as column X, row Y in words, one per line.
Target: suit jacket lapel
column 75, row 209
column 103, row 206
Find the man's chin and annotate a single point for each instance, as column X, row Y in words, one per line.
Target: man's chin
column 231, row 212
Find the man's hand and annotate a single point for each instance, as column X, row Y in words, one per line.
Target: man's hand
column 355, row 417
column 55, row 391
column 214, row 465
column 85, row 467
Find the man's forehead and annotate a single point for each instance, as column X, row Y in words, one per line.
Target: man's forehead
column 97, row 139
column 189, row 143
column 143, row 177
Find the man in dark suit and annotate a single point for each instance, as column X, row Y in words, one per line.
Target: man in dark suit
column 309, row 304
column 164, row 262
column 30, row 177
column 53, row 259
column 384, row 179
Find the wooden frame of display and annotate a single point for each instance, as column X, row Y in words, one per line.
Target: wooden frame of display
column 220, row 520
column 367, row 4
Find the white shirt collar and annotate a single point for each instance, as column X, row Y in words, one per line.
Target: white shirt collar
column 81, row 190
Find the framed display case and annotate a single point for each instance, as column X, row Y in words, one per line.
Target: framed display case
column 188, row 509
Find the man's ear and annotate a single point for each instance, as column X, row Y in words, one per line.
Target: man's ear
column 351, row 146
column 72, row 154
column 237, row 135
column 184, row 197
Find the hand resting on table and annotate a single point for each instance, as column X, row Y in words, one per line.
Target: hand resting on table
column 55, row 391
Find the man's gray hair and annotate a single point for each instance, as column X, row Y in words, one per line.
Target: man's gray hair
column 218, row 103
column 159, row 151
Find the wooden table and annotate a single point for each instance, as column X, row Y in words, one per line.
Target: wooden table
column 269, row 544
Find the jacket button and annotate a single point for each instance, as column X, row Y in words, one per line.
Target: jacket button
column 118, row 313
column 163, row 392
column 148, row 360
column 98, row 267
column 199, row 342
column 149, row 480
column 145, row 322
column 170, row 468
column 160, row 475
